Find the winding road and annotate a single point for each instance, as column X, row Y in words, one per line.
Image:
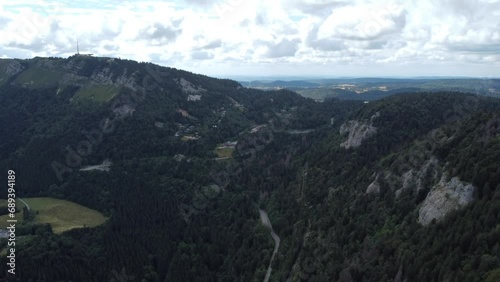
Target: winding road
column 26, row 204
column 267, row 223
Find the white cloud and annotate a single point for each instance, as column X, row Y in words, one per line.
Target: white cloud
column 362, row 22
column 283, row 48
column 254, row 37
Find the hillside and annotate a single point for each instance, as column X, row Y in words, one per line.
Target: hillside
column 386, row 210
column 404, row 188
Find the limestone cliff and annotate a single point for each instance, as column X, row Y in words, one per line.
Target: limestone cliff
column 358, row 131
column 444, row 197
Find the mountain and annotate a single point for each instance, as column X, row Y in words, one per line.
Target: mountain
column 369, row 89
column 280, row 84
column 407, row 189
column 188, row 168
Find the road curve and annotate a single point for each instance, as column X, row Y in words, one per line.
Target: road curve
column 267, row 223
column 26, row 204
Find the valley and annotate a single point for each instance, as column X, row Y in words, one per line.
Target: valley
column 369, row 89
column 172, row 167
column 250, row 141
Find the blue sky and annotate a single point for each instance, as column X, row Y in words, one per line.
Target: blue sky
column 226, row 38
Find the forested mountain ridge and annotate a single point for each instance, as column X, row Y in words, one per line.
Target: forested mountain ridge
column 386, row 210
column 66, row 102
column 403, row 188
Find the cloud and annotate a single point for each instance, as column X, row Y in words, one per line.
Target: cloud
column 110, row 47
column 236, row 36
column 284, row 48
column 212, row 45
column 375, row 45
column 365, row 22
column 324, row 44
column 316, row 8
column 476, row 48
column 4, row 21
column 159, row 33
column 202, row 3
column 201, row 55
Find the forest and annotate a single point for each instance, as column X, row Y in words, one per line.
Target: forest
column 176, row 213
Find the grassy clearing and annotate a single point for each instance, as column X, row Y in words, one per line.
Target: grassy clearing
column 189, row 137
column 99, row 93
column 36, row 77
column 224, row 152
column 4, row 218
column 61, row 214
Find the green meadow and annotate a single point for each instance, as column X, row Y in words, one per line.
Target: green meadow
column 61, row 214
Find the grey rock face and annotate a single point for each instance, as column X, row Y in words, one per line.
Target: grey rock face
column 358, row 132
column 373, row 188
column 445, row 196
column 13, row 68
column 188, row 87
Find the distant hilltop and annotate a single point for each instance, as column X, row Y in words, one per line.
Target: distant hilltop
column 376, row 88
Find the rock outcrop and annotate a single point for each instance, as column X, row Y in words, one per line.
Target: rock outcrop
column 418, row 170
column 14, row 68
column 374, row 187
column 188, row 87
column 358, row 131
column 418, row 177
column 194, row 97
column 445, row 196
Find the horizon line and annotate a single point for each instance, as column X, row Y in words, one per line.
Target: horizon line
column 282, row 77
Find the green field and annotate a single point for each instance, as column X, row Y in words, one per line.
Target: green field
column 99, row 93
column 61, row 214
column 36, row 77
column 189, row 137
column 224, row 152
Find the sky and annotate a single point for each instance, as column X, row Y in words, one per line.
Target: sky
column 303, row 38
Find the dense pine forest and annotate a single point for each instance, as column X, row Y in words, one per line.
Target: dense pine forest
column 405, row 188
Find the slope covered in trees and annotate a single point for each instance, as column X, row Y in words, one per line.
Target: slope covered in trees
column 179, row 214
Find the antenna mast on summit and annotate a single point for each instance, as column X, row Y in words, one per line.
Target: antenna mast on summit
column 77, row 48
